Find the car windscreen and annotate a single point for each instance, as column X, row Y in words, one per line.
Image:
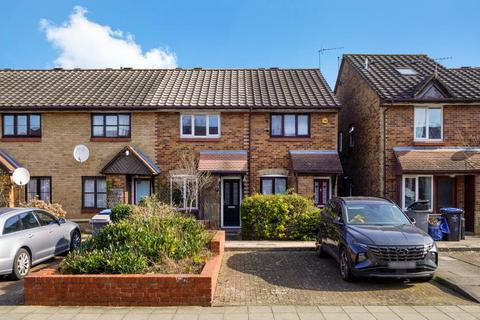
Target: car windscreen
column 374, row 213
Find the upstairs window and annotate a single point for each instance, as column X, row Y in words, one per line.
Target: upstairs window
column 200, row 125
column 111, row 125
column 289, row 125
column 428, row 123
column 22, row 125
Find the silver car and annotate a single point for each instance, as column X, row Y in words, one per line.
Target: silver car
column 29, row 236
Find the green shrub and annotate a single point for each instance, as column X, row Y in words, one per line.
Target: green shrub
column 121, row 211
column 279, row 217
column 142, row 244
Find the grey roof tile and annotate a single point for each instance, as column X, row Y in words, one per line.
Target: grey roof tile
column 165, row 88
column 382, row 76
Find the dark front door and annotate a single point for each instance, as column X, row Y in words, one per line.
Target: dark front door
column 445, row 192
column 231, row 202
column 469, row 203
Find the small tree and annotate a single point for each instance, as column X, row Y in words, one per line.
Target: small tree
column 190, row 180
column 5, row 185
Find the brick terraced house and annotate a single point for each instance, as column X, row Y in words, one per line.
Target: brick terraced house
column 409, row 131
column 255, row 130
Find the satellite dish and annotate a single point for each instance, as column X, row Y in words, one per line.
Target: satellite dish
column 81, row 153
column 21, row 176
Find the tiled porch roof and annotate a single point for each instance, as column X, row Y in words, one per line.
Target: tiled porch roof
column 316, row 161
column 223, row 161
column 441, row 160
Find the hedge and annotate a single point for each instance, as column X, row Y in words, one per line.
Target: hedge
column 279, row 217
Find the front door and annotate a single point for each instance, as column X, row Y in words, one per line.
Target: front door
column 321, row 191
column 469, row 195
column 231, row 202
column 142, row 190
column 445, row 192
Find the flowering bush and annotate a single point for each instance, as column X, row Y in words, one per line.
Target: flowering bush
column 54, row 208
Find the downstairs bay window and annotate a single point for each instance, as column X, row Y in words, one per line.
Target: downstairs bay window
column 184, row 192
column 415, row 188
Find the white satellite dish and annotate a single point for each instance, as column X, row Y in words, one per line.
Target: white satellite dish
column 81, row 153
column 21, row 176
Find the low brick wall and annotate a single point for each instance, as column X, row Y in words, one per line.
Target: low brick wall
column 49, row 288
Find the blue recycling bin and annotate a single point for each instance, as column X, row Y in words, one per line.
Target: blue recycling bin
column 454, row 221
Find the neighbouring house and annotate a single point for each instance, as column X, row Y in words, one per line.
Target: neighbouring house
column 409, row 131
column 254, row 130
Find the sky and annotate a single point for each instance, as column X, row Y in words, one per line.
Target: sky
column 232, row 34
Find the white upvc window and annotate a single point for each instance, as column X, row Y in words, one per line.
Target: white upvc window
column 428, row 123
column 415, row 188
column 184, row 192
column 200, row 125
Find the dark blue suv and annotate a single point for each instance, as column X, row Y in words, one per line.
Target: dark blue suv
column 374, row 237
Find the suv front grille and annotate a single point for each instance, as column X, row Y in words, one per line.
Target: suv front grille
column 399, row 253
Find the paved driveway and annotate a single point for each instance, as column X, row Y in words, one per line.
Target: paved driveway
column 11, row 292
column 300, row 278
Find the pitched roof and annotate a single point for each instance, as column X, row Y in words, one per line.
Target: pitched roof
column 131, row 160
column 380, row 72
column 316, row 161
column 437, row 160
column 7, row 163
column 217, row 161
column 469, row 73
column 164, row 88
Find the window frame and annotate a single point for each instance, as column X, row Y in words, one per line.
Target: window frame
column 92, row 135
column 416, row 176
column 273, row 178
column 95, row 192
column 296, row 125
column 427, row 126
column 207, row 124
column 37, row 192
column 184, row 177
column 15, row 125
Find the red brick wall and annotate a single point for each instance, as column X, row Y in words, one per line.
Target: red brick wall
column 127, row 290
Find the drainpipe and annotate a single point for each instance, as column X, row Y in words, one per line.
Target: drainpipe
column 249, row 158
column 385, row 149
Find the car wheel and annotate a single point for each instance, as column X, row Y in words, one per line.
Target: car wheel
column 75, row 240
column 21, row 264
column 345, row 271
column 319, row 247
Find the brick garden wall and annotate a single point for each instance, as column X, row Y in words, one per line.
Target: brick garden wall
column 46, row 287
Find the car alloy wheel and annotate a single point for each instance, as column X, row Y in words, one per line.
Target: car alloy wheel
column 75, row 240
column 23, row 264
column 345, row 271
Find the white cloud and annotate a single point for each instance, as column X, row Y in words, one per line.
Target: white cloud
column 86, row 44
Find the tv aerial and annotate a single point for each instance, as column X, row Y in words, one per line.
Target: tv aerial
column 322, row 51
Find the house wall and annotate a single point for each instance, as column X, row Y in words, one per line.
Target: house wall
column 273, row 153
column 361, row 106
column 53, row 155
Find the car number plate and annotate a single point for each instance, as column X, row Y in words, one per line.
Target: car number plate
column 402, row 265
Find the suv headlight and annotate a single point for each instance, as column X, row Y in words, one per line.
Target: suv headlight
column 432, row 253
column 362, row 256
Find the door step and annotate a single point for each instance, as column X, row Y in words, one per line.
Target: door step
column 233, row 234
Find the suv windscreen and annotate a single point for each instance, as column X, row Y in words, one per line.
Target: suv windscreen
column 12, row 224
column 45, row 218
column 375, row 213
column 28, row 220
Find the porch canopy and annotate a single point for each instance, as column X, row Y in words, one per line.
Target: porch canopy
column 131, row 161
column 315, row 162
column 437, row 160
column 7, row 163
column 223, row 161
